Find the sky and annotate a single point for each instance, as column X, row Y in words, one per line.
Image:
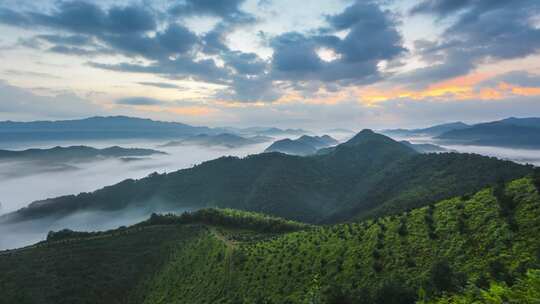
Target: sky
column 312, row 64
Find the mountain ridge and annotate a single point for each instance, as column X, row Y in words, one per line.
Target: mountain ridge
column 357, row 178
column 304, row 145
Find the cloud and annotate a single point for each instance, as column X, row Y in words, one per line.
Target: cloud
column 229, row 10
column 372, row 33
column 478, row 31
column 162, row 85
column 371, row 37
column 138, row 101
column 22, row 104
column 30, row 74
column 172, row 50
column 179, row 68
column 66, row 39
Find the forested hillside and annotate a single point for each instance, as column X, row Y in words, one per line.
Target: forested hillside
column 463, row 248
column 369, row 174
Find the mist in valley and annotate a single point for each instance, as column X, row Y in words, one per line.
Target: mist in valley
column 522, row 156
column 23, row 182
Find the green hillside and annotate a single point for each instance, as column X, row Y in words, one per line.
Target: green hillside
column 369, row 174
column 459, row 248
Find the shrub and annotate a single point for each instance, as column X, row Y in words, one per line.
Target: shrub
column 536, row 178
column 393, row 292
column 443, row 278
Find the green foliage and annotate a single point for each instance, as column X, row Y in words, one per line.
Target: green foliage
column 104, row 268
column 228, row 218
column 536, row 178
column 371, row 262
column 443, row 277
column 526, row 290
column 219, row 258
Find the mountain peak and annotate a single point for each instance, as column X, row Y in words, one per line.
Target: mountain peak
column 366, row 135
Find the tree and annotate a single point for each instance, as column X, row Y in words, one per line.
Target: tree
column 393, row 292
column 443, row 278
column 536, row 178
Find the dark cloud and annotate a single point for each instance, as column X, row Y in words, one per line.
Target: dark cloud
column 295, row 53
column 162, row 85
column 77, row 51
column 372, row 33
column 86, row 17
column 229, row 10
column 443, row 8
column 179, row 68
column 371, row 37
column 138, row 101
column 171, row 50
column 479, row 30
column 174, row 40
column 67, row 39
column 11, row 17
column 440, row 7
column 245, row 63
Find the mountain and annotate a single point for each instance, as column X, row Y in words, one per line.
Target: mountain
column 483, row 245
column 112, row 127
column 522, row 122
column 304, row 145
column 431, row 131
column 222, row 140
column 270, row 131
column 425, row 148
column 74, row 153
column 511, row 132
column 371, row 174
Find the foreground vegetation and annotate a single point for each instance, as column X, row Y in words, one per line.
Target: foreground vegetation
column 482, row 247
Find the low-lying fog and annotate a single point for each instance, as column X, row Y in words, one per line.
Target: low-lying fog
column 24, row 182
column 522, row 156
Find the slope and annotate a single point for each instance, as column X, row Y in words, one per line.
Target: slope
column 227, row 256
column 427, row 252
column 352, row 179
column 114, row 266
column 304, row 145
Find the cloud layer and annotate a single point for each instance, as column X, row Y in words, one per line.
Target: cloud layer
column 361, row 52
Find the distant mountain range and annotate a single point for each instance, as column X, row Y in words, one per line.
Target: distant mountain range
column 431, row 131
column 304, row 145
column 265, row 131
column 75, row 153
column 113, row 127
column 511, row 132
column 425, row 148
column 220, row 140
column 367, row 175
column 119, row 127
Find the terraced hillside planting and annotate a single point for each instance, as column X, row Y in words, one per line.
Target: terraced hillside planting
column 428, row 254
